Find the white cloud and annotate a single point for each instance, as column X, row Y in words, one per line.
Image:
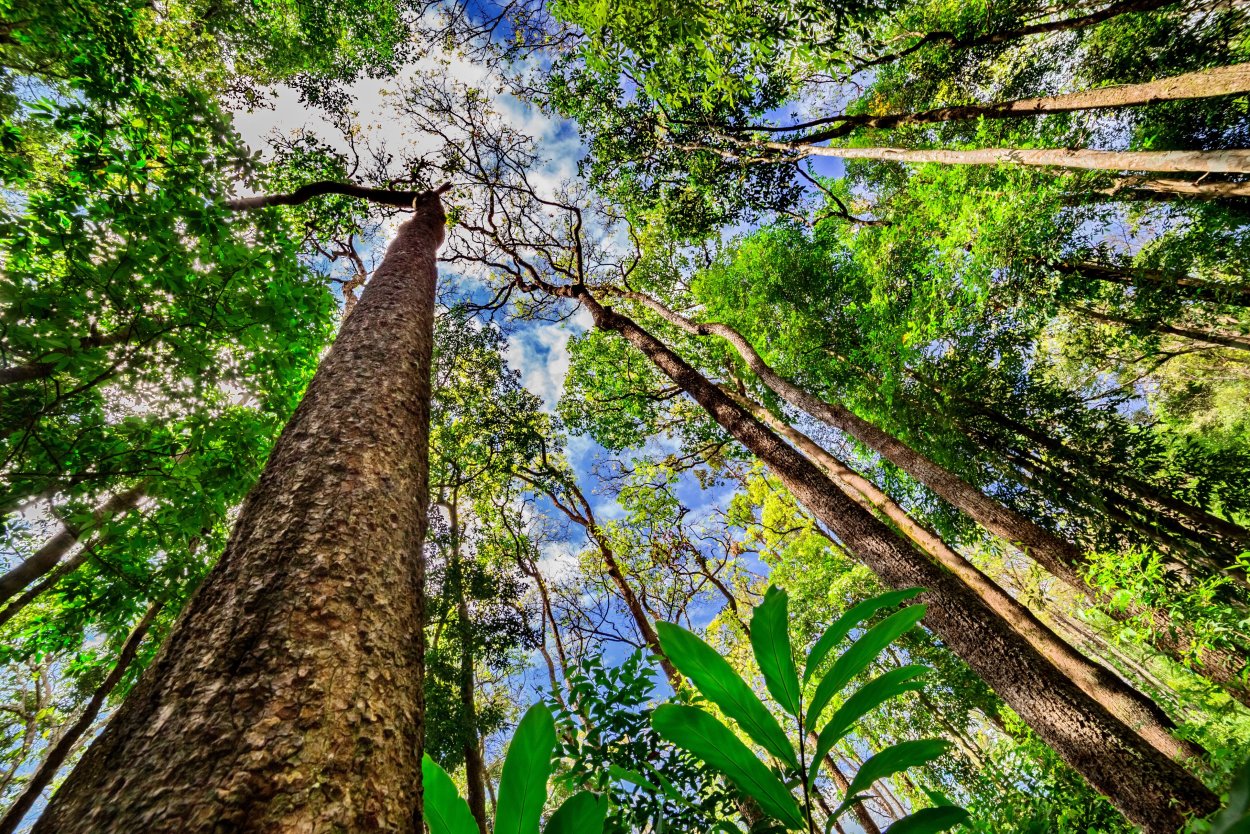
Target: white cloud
column 540, row 353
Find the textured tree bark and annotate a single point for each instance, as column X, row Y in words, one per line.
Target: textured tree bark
column 288, row 697
column 60, row 750
column 1217, row 81
column 53, row 551
column 1061, row 559
column 1109, row 689
column 1150, row 789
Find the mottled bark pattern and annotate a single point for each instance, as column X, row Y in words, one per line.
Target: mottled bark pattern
column 1150, row 789
column 288, row 697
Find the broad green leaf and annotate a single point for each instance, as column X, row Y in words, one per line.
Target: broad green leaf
column 861, row 653
column 445, row 811
column 581, row 813
column 770, row 638
column 930, row 821
column 526, row 768
column 891, row 760
column 633, row 777
column 720, row 684
column 867, row 698
column 841, row 627
column 698, row 732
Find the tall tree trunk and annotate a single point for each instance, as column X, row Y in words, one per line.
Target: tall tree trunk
column 1061, row 559
column 1109, row 689
column 474, row 767
column 288, row 697
column 1230, row 161
column 1217, row 81
column 54, row 550
column 56, row 755
column 1150, row 789
column 1158, row 188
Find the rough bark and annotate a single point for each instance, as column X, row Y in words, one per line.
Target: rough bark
column 1109, row 689
column 1217, row 81
column 1150, row 789
column 55, row 549
column 56, row 755
column 1061, row 559
column 288, row 697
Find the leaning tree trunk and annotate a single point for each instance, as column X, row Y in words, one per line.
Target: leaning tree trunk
column 1150, row 789
column 1207, row 83
column 1231, row 161
column 1109, row 689
column 1060, row 558
column 60, row 750
column 47, row 557
column 288, row 697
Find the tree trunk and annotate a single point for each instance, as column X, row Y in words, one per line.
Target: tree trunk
column 288, row 697
column 1061, row 559
column 60, row 750
column 1231, row 161
column 1002, row 521
column 1109, row 689
column 1157, row 188
column 53, row 551
column 1217, row 81
column 35, row 591
column 1150, row 789
column 474, row 767
column 1221, row 339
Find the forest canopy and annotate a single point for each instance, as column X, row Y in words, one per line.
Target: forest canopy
column 573, row 416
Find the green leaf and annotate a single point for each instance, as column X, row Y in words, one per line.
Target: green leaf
column 770, row 638
column 869, row 696
column 694, row 730
column 929, row 821
column 445, row 811
column 891, row 760
column 720, row 684
column 852, row 618
column 861, row 653
column 1235, row 816
column 581, row 813
column 523, row 785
